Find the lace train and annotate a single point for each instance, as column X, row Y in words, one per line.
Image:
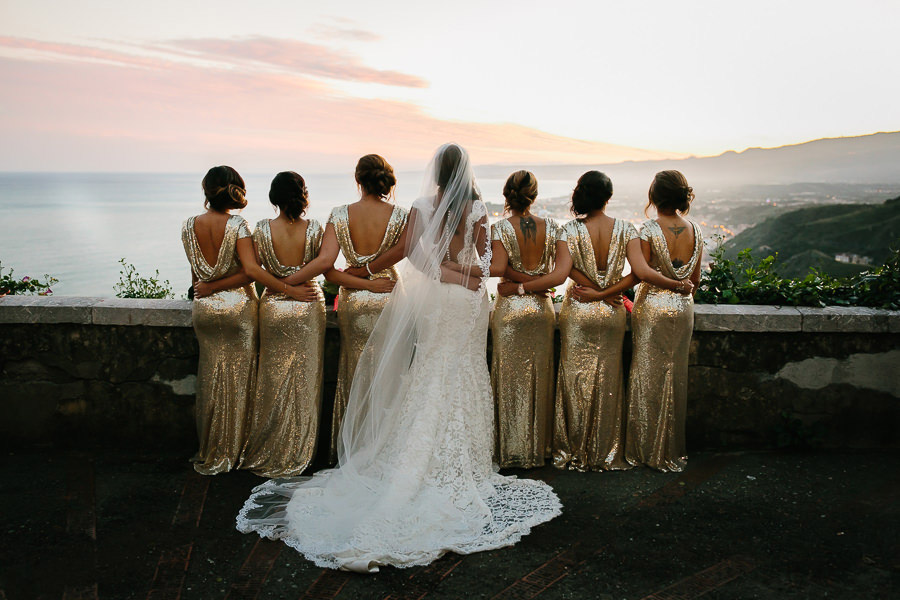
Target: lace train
column 515, row 506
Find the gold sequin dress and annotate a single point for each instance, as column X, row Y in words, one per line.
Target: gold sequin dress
column 589, row 416
column 662, row 322
column 226, row 327
column 357, row 309
column 522, row 330
column 284, row 416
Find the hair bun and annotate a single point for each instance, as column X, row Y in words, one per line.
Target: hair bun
column 592, row 192
column 375, row 176
column 670, row 191
column 520, row 190
column 224, row 189
column 288, row 192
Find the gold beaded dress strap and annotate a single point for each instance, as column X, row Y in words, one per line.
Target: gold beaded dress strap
column 661, row 250
column 511, row 244
column 615, row 257
column 585, row 255
column 313, row 240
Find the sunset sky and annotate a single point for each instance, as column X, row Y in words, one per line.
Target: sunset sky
column 178, row 86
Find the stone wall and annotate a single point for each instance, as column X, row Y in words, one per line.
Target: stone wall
column 121, row 373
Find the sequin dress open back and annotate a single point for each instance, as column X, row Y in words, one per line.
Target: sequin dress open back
column 589, row 416
column 283, row 420
column 662, row 322
column 226, row 327
column 522, row 329
column 358, row 310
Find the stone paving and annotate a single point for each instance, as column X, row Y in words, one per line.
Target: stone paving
column 105, row 524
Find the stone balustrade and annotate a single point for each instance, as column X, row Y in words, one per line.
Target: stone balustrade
column 122, row 372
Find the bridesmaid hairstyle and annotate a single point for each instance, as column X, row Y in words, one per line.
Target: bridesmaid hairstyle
column 375, row 176
column 592, row 192
column 224, row 189
column 288, row 192
column 670, row 191
column 521, row 190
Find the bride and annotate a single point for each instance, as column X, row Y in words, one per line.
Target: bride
column 414, row 477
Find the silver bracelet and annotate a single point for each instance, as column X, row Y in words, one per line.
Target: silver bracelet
column 369, row 271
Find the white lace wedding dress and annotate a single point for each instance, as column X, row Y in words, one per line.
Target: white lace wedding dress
column 423, row 484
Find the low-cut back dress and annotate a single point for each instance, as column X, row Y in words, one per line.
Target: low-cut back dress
column 522, row 329
column 662, row 322
column 226, row 325
column 358, row 310
column 283, row 421
column 589, row 415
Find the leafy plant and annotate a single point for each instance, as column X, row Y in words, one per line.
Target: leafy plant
column 132, row 285
column 10, row 286
column 329, row 288
column 749, row 281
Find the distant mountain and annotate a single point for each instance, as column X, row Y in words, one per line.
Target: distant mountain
column 813, row 236
column 871, row 158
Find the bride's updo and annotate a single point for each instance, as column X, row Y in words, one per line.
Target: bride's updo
column 520, row 191
column 375, row 176
column 224, row 189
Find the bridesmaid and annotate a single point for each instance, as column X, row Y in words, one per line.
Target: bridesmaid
column 224, row 314
column 666, row 258
column 587, row 430
column 531, row 255
column 363, row 231
column 284, row 416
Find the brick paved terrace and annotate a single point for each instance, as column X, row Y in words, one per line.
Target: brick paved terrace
column 108, row 524
column 98, row 500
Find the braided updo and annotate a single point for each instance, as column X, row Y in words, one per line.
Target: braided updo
column 592, row 192
column 288, row 192
column 670, row 191
column 375, row 176
column 520, row 191
column 224, row 189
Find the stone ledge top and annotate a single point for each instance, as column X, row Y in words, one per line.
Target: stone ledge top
column 707, row 317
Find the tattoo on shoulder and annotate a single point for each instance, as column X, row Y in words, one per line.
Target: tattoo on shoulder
column 529, row 229
column 677, row 230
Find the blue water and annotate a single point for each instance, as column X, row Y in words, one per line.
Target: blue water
column 76, row 226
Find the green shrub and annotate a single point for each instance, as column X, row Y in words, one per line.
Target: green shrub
column 10, row 286
column 329, row 288
column 748, row 281
column 133, row 285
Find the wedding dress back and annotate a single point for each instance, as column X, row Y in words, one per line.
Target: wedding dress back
column 414, row 476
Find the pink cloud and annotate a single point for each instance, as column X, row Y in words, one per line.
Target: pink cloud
column 78, row 52
column 297, row 57
column 104, row 113
column 345, row 33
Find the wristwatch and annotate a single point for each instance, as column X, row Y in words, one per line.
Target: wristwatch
column 521, row 290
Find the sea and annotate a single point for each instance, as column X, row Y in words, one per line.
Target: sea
column 77, row 226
